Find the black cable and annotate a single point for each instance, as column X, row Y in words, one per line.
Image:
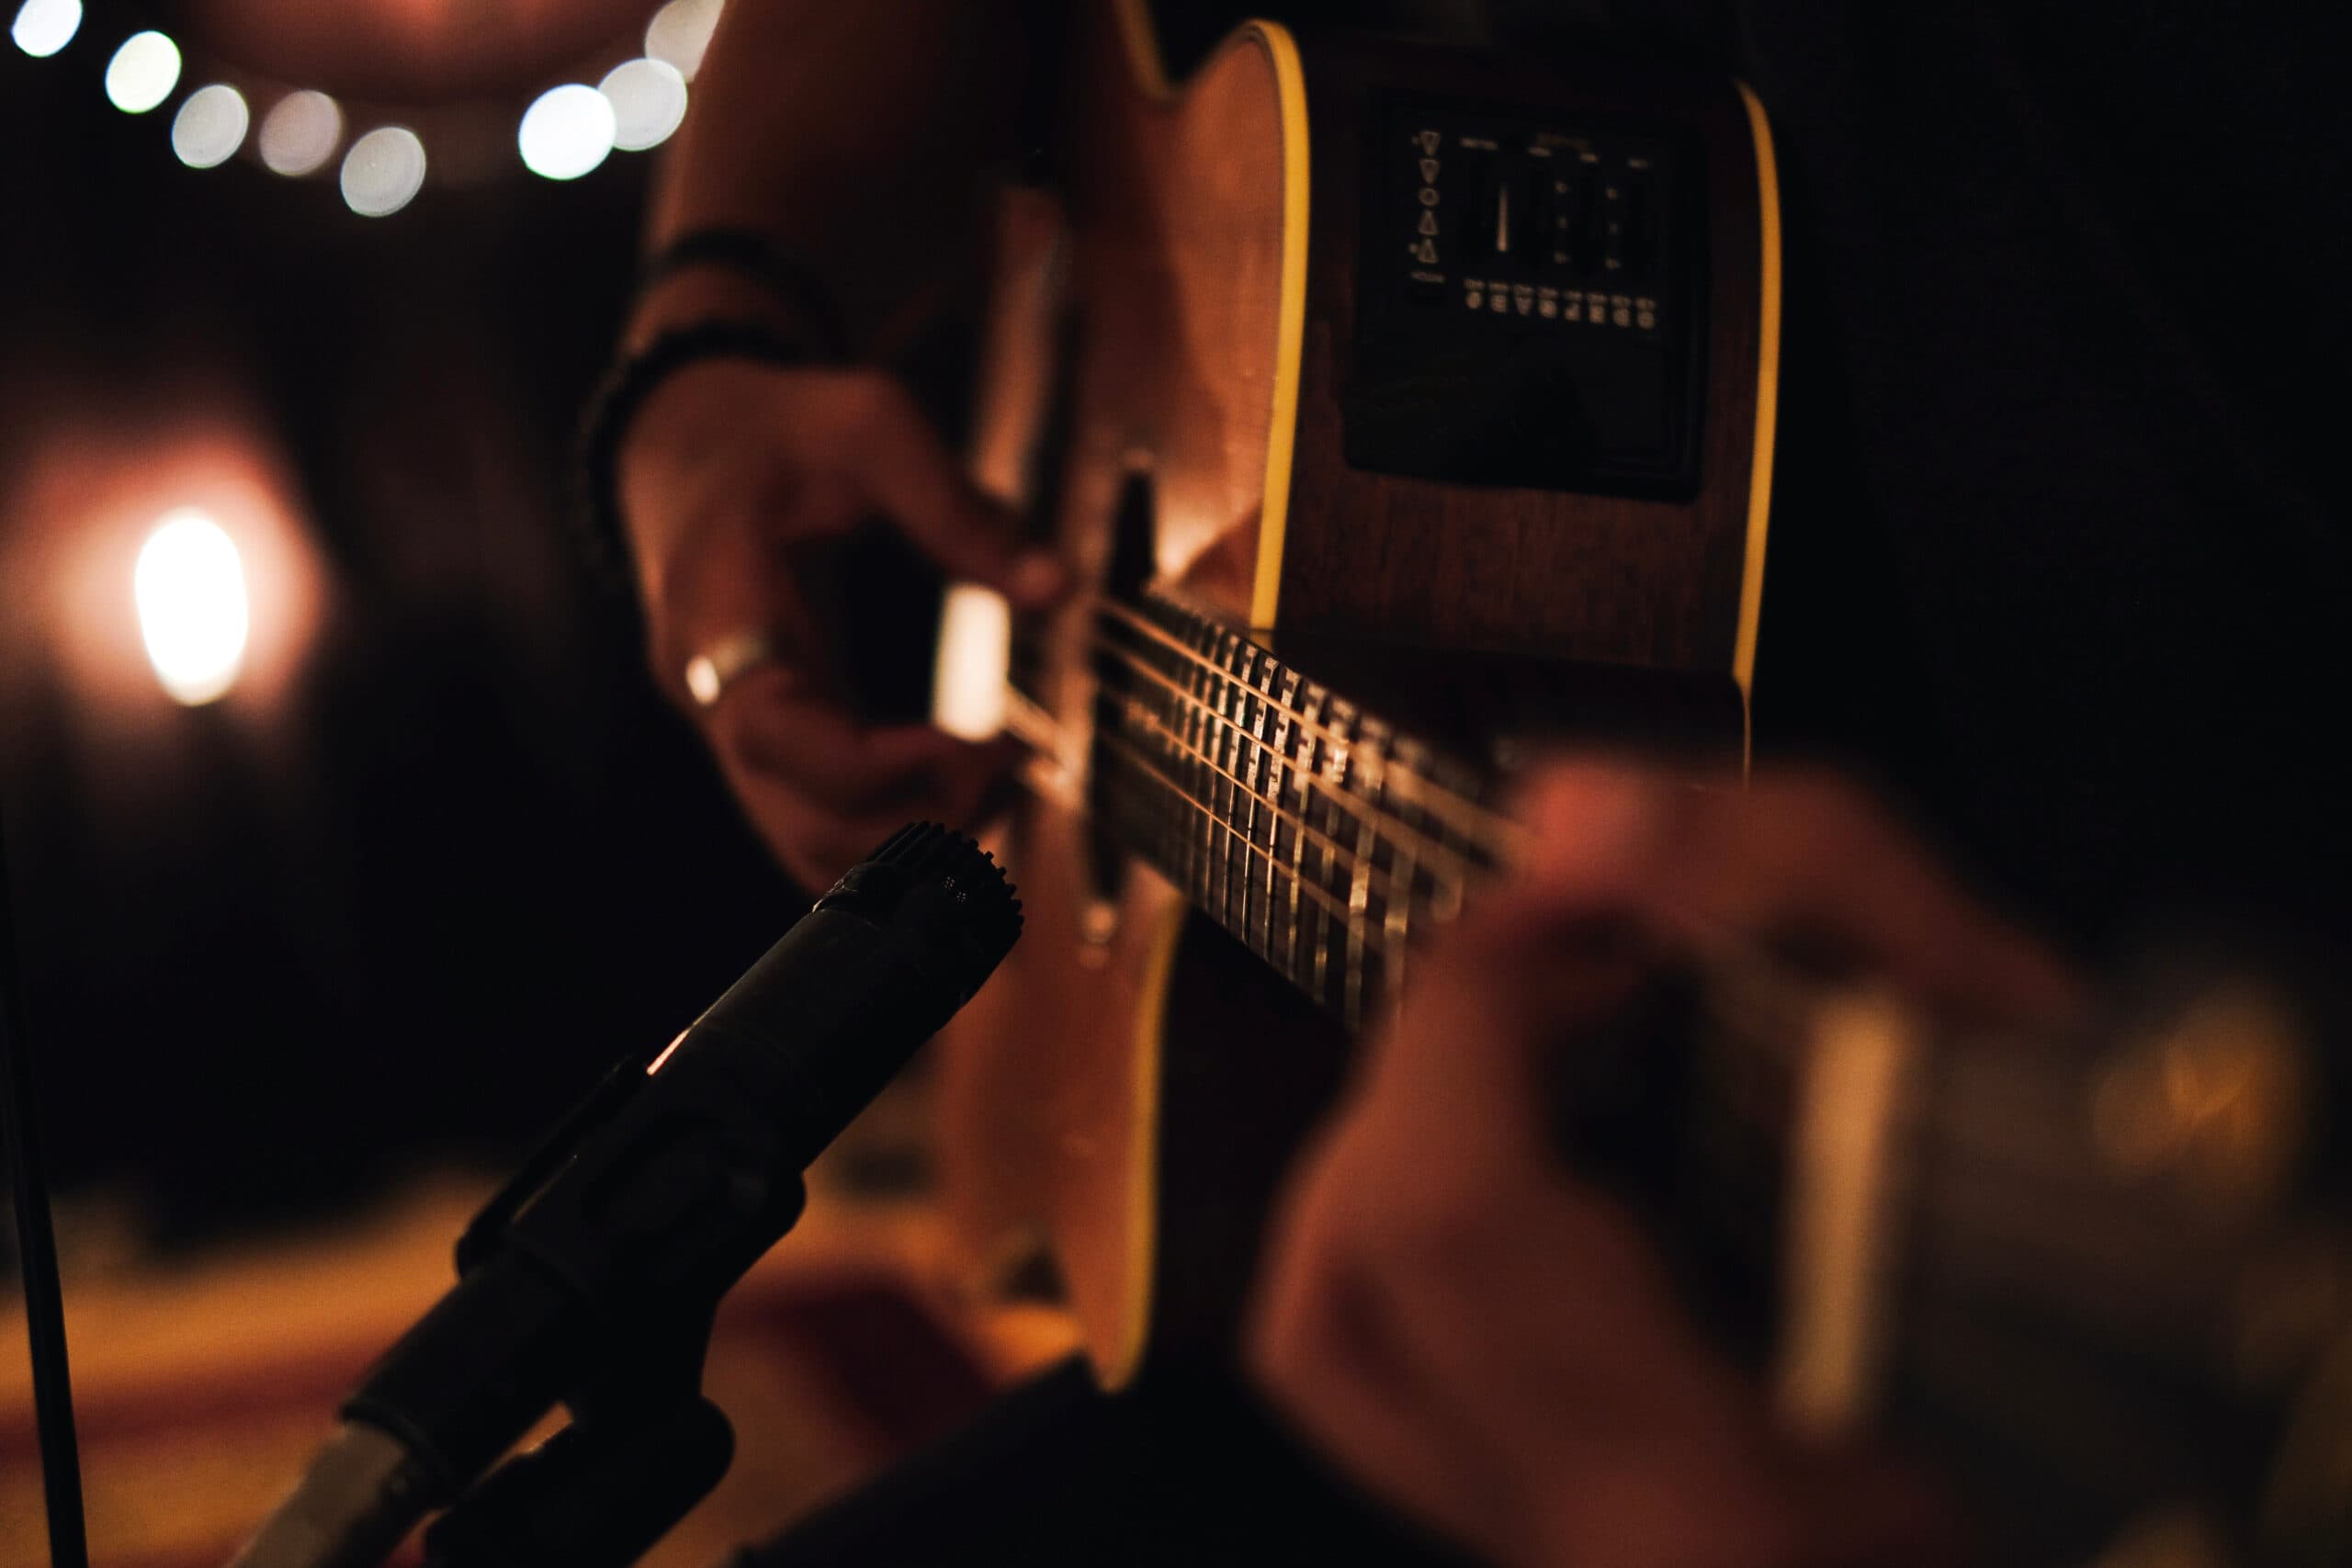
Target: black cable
column 61, row 1466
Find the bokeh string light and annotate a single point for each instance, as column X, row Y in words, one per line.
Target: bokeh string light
column 44, row 26
column 143, row 73
column 567, row 132
column 210, row 126
column 383, row 171
column 300, row 133
column 648, row 99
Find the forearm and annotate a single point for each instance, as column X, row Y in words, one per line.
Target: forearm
column 853, row 134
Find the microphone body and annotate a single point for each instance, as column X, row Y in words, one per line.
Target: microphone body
column 607, row 1257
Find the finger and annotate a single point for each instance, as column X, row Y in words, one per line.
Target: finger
column 907, row 473
column 1473, row 1058
column 1587, row 1382
column 735, row 573
column 1316, row 1343
column 1800, row 855
column 815, row 843
column 1335, row 1377
column 1808, row 855
column 1864, row 1510
column 774, row 728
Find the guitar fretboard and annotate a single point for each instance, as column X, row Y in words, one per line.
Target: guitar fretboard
column 1308, row 828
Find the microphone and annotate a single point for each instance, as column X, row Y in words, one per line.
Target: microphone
column 608, row 1252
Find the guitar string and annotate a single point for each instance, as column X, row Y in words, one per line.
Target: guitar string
column 1357, row 867
column 1472, row 819
column 1310, row 779
column 1737, row 1107
column 1478, row 822
column 1352, row 976
column 1168, row 781
column 1722, row 945
column 1725, row 950
column 1431, row 849
column 1766, row 1042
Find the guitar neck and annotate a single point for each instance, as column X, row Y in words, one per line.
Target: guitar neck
column 1310, row 830
column 1917, row 1214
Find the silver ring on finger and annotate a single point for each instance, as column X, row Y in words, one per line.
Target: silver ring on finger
column 720, row 664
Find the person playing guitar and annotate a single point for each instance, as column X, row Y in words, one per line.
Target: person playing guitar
column 2057, row 565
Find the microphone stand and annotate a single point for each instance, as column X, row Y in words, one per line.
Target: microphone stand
column 591, row 1277
column 643, row 1446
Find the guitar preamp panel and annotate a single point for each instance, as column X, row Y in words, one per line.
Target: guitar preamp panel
column 1526, row 302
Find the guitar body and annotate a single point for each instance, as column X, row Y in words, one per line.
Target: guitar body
column 1211, row 374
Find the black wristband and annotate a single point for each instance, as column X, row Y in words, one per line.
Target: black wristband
column 751, row 254
column 614, row 406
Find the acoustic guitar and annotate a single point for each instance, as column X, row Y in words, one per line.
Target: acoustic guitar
column 1402, row 407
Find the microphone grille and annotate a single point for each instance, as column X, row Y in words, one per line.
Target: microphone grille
column 934, row 853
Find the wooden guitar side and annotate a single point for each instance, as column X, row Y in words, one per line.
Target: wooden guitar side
column 1178, row 254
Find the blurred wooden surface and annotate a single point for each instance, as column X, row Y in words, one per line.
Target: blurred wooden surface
column 202, row 1384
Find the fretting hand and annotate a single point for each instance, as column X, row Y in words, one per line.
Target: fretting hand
column 1496, row 1347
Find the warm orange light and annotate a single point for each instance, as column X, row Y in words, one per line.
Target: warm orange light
column 92, row 504
column 667, row 1051
column 975, row 656
column 190, row 588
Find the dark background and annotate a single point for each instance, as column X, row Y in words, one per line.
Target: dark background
column 283, row 950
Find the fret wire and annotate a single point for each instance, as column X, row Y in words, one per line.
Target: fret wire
column 1197, row 724
column 1400, row 875
column 1331, row 900
column 1228, row 746
column 1237, row 706
column 1233, row 746
column 1360, row 864
column 1159, row 779
column 1338, row 769
column 1368, row 761
column 1268, row 780
column 1204, row 737
column 1297, row 834
column 1334, row 848
column 1435, row 849
column 1172, row 834
column 1216, row 784
column 1500, row 835
column 1319, row 747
